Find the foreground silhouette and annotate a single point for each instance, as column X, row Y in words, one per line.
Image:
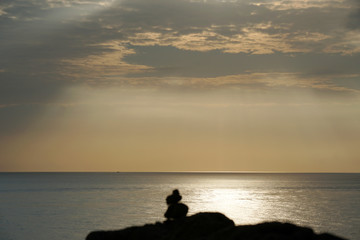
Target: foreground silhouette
column 207, row 226
column 211, row 226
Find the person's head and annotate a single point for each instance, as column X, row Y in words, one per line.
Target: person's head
column 176, row 192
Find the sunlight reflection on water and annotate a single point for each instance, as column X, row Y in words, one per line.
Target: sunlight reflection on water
column 236, row 204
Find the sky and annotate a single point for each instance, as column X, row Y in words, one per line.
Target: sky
column 180, row 85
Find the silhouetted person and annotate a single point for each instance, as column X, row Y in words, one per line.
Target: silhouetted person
column 175, row 210
column 173, row 198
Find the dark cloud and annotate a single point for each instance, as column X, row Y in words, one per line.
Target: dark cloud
column 37, row 36
column 216, row 63
column 354, row 19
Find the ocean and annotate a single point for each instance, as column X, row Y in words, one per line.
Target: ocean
column 62, row 206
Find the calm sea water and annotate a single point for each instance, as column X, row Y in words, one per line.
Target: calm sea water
column 62, row 206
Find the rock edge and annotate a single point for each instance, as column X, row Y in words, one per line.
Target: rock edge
column 212, row 226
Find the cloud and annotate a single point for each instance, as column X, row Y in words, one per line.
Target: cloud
column 349, row 44
column 104, row 65
column 300, row 4
column 240, row 27
column 59, row 43
column 2, row 11
column 251, row 40
column 354, row 17
column 71, row 3
column 246, row 82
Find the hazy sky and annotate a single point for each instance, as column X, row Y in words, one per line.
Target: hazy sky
column 180, row 85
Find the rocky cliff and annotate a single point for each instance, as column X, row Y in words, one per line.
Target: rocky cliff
column 211, row 226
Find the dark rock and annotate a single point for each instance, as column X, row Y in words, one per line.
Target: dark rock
column 202, row 226
column 211, row 226
column 327, row 236
column 267, row 231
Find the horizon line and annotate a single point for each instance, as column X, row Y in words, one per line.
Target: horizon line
column 204, row 172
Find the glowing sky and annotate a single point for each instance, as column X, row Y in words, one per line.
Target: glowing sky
column 180, row 85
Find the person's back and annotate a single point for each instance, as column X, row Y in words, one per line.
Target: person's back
column 176, row 211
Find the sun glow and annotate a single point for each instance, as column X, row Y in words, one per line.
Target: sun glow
column 235, row 202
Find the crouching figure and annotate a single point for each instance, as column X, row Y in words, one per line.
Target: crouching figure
column 176, row 210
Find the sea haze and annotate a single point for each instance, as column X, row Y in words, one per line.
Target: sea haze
column 61, row 206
